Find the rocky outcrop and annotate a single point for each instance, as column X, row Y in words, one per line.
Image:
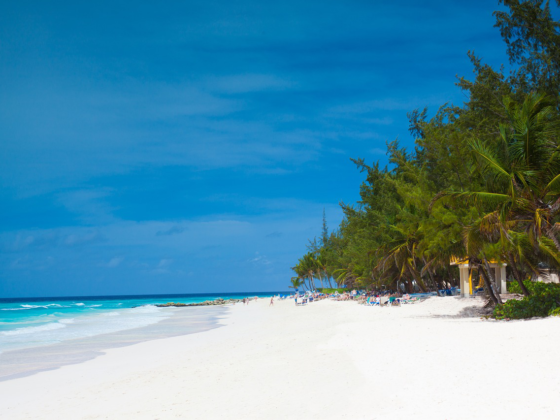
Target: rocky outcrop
column 217, row 302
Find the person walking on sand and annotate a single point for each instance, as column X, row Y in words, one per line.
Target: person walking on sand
column 271, row 301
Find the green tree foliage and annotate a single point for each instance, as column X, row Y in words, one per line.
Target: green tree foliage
column 482, row 181
column 532, row 38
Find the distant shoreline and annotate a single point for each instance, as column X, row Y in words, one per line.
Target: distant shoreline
column 145, row 296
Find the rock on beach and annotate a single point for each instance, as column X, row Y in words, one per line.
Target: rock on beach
column 216, row 302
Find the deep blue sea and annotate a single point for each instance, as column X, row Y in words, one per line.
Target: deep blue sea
column 27, row 323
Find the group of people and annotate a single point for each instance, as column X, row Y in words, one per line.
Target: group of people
column 247, row 300
column 389, row 298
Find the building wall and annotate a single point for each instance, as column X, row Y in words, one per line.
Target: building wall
column 552, row 278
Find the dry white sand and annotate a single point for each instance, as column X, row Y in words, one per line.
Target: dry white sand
column 328, row 360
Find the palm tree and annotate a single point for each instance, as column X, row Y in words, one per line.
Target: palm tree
column 296, row 282
column 308, row 268
column 523, row 170
column 401, row 259
column 299, row 269
column 522, row 173
column 345, row 276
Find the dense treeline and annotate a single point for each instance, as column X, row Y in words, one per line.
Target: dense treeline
column 482, row 181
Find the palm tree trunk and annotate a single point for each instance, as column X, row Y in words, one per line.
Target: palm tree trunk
column 517, row 276
column 434, row 283
column 489, row 282
column 488, row 285
column 418, row 279
column 498, row 297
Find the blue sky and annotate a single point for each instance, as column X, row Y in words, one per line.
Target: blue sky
column 188, row 147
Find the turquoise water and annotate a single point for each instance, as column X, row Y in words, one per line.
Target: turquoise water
column 27, row 323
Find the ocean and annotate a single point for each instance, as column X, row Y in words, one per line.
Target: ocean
column 45, row 333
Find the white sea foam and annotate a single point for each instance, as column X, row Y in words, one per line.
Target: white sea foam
column 146, row 309
column 79, row 304
column 87, row 324
column 33, row 330
column 110, row 314
column 28, row 307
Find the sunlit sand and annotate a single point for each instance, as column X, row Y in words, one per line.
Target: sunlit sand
column 326, row 360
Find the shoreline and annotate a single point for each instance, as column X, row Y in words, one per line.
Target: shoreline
column 29, row 361
column 326, row 360
column 27, row 324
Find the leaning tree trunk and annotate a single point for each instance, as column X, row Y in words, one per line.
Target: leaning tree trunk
column 517, row 276
column 488, row 285
column 418, row 279
column 433, row 281
column 493, row 281
column 311, row 282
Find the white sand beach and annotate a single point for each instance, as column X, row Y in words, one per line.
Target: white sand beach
column 327, row 360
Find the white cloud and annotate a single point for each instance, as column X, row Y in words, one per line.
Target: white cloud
column 113, row 262
column 243, row 83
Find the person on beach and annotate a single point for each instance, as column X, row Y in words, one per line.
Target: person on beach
column 271, row 301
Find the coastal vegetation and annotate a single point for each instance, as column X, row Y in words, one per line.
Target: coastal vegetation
column 544, row 300
column 482, row 181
